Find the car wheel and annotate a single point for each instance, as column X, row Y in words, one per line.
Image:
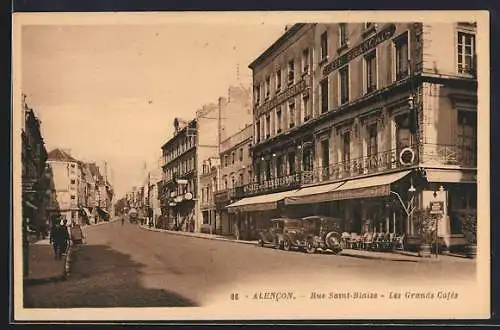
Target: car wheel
column 310, row 248
column 287, row 246
column 261, row 242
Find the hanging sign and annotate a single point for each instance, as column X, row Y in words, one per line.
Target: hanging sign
column 359, row 49
column 436, row 207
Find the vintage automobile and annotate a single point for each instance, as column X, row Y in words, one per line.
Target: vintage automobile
column 133, row 216
column 284, row 233
column 322, row 233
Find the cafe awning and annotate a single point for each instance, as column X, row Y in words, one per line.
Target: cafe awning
column 313, row 194
column 259, row 203
column 374, row 186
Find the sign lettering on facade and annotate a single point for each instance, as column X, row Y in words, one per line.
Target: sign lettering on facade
column 282, row 97
column 361, row 48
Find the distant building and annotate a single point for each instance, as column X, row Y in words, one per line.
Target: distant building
column 64, row 172
column 193, row 143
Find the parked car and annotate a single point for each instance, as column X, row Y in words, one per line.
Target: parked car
column 284, row 233
column 322, row 232
column 133, row 215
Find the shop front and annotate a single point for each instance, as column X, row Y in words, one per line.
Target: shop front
column 251, row 214
column 369, row 204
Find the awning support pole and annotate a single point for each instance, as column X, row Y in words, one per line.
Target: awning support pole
column 408, row 209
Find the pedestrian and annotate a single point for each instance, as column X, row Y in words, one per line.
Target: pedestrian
column 54, row 239
column 123, row 219
column 64, row 238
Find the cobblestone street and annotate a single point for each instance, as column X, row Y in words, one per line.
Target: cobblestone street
column 127, row 266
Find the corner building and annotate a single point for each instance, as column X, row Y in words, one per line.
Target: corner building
column 349, row 116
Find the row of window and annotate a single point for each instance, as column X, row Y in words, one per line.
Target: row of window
column 263, row 91
column 233, row 181
column 179, row 148
column 283, row 117
column 235, row 156
column 286, row 164
column 465, row 60
column 182, row 167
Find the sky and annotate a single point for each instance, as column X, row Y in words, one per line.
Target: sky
column 110, row 92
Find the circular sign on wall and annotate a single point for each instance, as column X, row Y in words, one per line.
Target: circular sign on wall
column 407, row 156
column 188, row 196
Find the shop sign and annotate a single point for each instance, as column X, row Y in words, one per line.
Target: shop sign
column 406, row 156
column 436, row 207
column 361, row 48
column 282, row 97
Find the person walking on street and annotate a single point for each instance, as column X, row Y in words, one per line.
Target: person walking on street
column 122, row 219
column 64, row 238
column 54, row 239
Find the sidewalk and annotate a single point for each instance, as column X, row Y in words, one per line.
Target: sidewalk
column 200, row 235
column 43, row 267
column 392, row 256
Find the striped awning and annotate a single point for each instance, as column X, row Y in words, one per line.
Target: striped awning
column 373, row 186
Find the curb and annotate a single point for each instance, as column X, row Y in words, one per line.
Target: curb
column 388, row 257
column 180, row 233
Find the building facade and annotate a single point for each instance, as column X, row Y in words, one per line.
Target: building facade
column 34, row 178
column 235, row 172
column 193, row 143
column 64, row 173
column 179, row 176
column 360, row 120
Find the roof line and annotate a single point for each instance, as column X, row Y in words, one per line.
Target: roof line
column 291, row 31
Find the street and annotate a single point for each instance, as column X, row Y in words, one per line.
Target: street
column 128, row 266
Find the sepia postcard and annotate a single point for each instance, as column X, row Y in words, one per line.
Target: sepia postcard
column 251, row 166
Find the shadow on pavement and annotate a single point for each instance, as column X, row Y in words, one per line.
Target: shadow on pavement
column 101, row 277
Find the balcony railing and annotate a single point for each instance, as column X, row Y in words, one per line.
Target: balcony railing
column 380, row 162
column 443, row 154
